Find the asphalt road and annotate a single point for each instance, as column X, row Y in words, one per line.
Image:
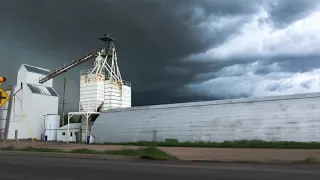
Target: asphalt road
column 48, row 168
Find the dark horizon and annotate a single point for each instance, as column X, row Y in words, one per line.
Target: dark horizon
column 171, row 51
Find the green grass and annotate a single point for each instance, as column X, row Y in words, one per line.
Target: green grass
column 147, row 152
column 230, row 144
column 85, row 151
column 8, row 148
column 40, row 149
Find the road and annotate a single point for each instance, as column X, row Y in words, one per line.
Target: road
column 52, row 168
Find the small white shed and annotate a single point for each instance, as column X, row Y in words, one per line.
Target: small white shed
column 62, row 132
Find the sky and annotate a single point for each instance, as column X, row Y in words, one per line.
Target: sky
column 171, row 50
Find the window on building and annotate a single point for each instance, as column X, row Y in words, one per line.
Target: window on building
column 63, row 133
column 70, row 133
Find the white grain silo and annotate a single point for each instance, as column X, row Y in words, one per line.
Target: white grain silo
column 31, row 101
column 91, row 91
column 51, row 125
column 126, row 94
column 102, row 87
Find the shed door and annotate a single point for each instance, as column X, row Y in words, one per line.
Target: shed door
column 16, row 134
column 71, row 136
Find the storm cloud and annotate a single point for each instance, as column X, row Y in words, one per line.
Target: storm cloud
column 171, row 50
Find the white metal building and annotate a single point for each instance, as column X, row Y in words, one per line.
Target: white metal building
column 74, row 131
column 31, row 102
column 278, row 118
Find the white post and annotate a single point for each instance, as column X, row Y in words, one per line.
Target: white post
column 86, row 140
column 68, row 132
column 87, row 125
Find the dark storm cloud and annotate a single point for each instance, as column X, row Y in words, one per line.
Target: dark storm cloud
column 284, row 12
column 290, row 63
column 151, row 38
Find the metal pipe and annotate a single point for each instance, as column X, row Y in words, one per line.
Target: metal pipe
column 71, row 65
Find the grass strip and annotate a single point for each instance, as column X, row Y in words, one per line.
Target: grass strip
column 229, row 144
column 147, row 152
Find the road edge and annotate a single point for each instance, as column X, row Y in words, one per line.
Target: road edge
column 134, row 158
column 69, row 155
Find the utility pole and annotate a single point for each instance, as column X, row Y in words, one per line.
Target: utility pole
column 9, row 109
column 64, row 97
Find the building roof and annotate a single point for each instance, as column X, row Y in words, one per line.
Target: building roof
column 218, row 102
column 71, row 126
column 43, row 90
column 37, row 70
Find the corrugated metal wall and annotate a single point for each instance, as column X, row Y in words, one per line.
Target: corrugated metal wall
column 288, row 118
